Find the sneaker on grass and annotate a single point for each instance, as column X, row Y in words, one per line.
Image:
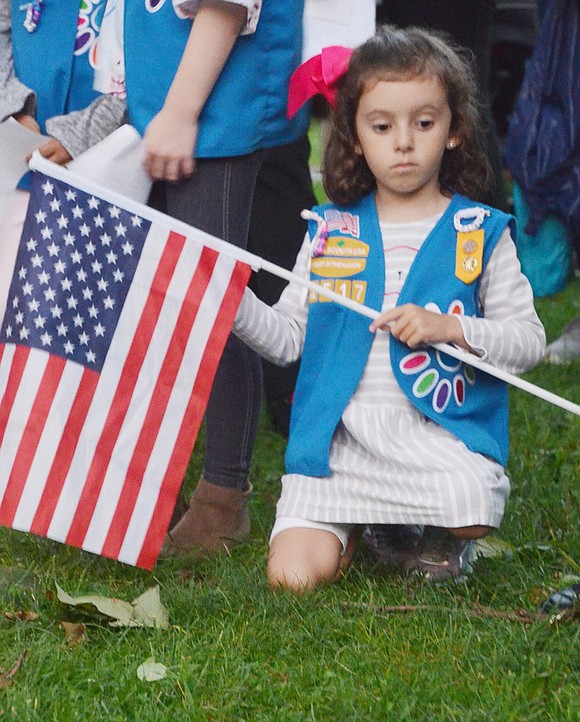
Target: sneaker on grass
column 394, row 545
column 444, row 556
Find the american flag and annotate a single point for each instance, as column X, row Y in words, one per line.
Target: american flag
column 113, row 330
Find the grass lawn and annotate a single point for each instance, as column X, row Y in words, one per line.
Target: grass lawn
column 377, row 646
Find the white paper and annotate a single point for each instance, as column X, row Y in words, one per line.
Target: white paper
column 116, row 163
column 16, row 143
column 337, row 22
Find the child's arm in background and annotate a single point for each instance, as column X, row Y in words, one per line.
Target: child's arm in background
column 73, row 133
column 171, row 136
column 76, row 132
column 510, row 336
column 16, row 99
column 277, row 332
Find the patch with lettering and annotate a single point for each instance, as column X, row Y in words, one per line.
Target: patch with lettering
column 342, row 257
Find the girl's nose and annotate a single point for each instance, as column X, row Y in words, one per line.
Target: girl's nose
column 403, row 139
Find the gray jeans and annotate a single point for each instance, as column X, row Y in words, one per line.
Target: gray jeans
column 218, row 200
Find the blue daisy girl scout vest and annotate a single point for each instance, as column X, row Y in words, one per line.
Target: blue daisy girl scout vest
column 53, row 52
column 246, row 109
column 444, row 276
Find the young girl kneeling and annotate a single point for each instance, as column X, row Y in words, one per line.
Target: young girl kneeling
column 386, row 431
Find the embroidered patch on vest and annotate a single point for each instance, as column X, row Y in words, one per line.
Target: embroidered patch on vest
column 342, row 222
column 343, row 257
column 469, row 255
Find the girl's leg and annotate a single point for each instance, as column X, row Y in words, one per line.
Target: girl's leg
column 302, row 559
column 218, row 199
column 470, row 532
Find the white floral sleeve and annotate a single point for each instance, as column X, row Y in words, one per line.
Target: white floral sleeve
column 189, row 8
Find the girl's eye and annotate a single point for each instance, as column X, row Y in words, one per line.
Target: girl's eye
column 380, row 127
column 425, row 123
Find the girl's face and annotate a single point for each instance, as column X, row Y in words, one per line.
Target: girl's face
column 403, row 129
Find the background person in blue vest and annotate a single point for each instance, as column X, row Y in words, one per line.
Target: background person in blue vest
column 420, row 451
column 209, row 97
column 46, row 84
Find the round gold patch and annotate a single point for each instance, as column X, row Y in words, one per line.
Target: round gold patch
column 469, row 246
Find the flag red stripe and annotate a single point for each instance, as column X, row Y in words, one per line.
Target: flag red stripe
column 124, row 391
column 159, row 401
column 30, row 438
column 193, row 416
column 65, row 452
column 14, row 377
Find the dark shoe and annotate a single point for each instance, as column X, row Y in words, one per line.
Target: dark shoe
column 568, row 598
column 217, row 517
column 395, row 545
column 444, row 556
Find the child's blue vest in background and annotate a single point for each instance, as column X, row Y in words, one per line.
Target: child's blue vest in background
column 470, row 404
column 54, row 60
column 247, row 107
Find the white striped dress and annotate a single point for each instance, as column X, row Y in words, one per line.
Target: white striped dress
column 389, row 463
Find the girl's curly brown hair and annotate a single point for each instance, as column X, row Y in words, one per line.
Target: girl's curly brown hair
column 395, row 54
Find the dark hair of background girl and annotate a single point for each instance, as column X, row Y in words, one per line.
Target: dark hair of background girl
column 405, row 54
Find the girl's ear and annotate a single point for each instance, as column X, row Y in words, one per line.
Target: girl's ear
column 453, row 141
column 357, row 149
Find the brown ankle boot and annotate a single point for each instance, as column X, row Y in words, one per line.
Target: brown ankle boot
column 216, row 518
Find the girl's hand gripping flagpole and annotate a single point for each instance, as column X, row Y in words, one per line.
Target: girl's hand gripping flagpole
column 39, row 163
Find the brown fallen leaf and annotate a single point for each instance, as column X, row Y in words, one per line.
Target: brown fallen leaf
column 74, row 633
column 21, row 615
column 6, row 677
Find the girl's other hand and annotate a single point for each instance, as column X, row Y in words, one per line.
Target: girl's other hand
column 27, row 121
column 415, row 326
column 54, row 151
column 169, row 146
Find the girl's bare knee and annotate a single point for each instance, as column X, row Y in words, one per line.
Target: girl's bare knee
column 301, row 559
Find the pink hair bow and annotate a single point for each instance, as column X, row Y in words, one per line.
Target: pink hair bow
column 318, row 75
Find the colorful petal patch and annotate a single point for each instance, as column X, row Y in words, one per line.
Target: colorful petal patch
column 459, row 389
column 442, row 396
column 457, row 308
column 414, row 363
column 425, row 383
column 469, row 375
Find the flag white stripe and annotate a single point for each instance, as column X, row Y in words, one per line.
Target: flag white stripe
column 5, row 366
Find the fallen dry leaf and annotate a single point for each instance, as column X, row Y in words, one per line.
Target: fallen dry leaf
column 151, row 671
column 6, row 678
column 145, row 611
column 21, row 615
column 74, row 633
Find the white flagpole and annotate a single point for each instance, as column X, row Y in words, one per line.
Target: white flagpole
column 37, row 162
